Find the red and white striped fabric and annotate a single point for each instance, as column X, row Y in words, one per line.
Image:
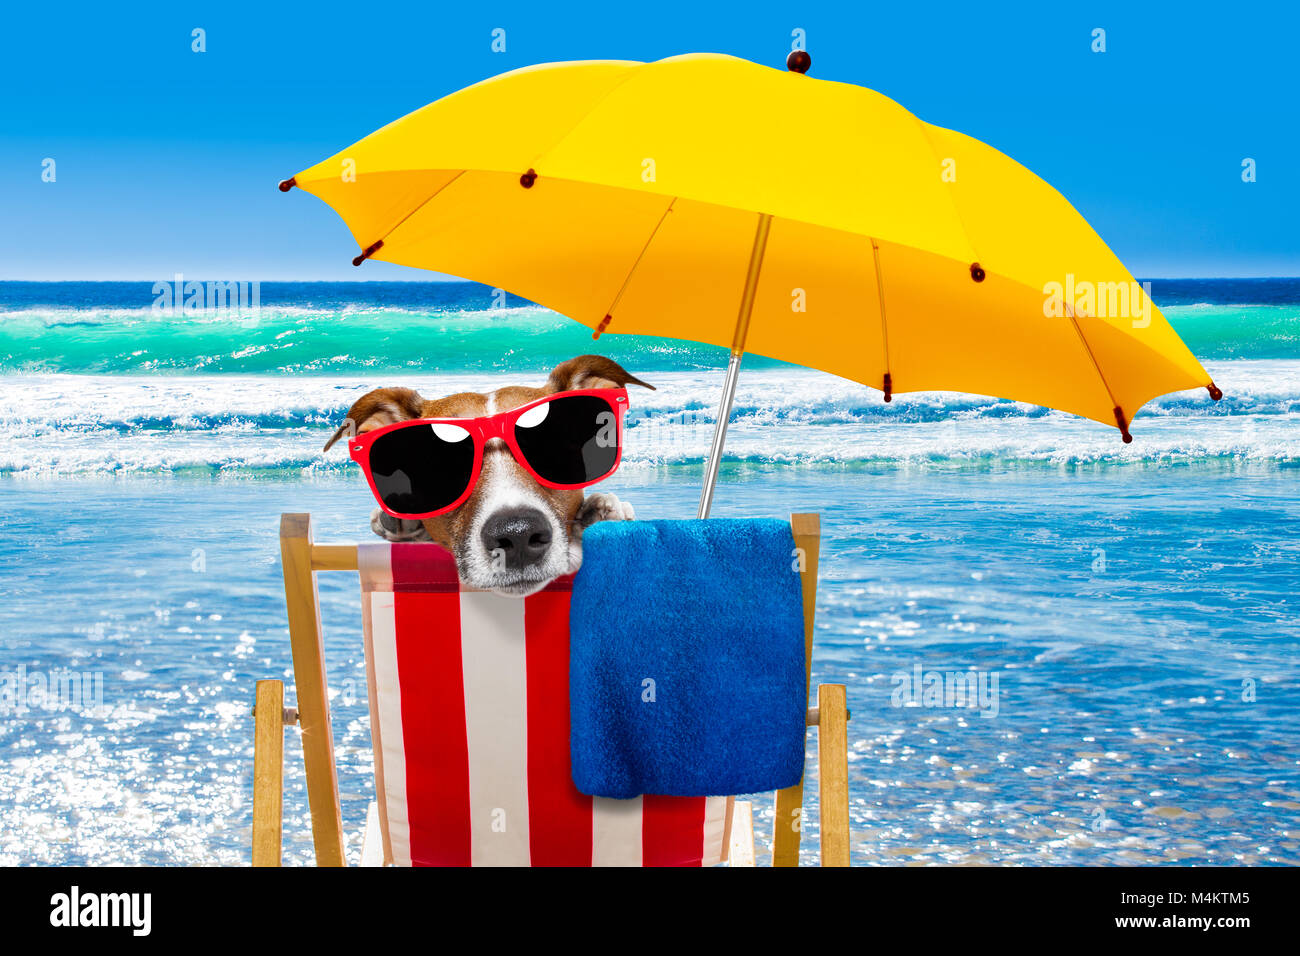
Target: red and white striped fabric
column 469, row 711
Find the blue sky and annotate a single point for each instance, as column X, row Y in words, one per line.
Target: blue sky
column 167, row 159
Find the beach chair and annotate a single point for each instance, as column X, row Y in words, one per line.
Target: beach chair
column 430, row 805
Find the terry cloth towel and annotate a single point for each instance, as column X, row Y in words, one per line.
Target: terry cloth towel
column 686, row 659
column 469, row 713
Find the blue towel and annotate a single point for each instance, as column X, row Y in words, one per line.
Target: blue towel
column 686, row 659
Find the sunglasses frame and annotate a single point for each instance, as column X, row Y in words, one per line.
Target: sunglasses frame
column 481, row 431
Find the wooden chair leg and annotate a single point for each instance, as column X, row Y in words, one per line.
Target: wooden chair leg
column 787, row 826
column 742, row 834
column 833, row 771
column 806, row 530
column 303, row 605
column 268, row 772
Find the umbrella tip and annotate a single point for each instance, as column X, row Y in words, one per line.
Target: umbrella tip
column 287, row 184
column 1214, row 391
column 798, row 61
column 368, row 251
column 888, row 387
column 1122, row 422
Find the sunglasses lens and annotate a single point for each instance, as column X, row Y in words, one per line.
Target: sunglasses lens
column 571, row 440
column 422, row 467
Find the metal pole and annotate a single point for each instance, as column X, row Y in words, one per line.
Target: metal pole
column 733, row 364
column 719, row 434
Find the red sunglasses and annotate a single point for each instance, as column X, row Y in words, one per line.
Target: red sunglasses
column 428, row 466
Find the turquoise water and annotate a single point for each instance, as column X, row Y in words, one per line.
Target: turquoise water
column 1137, row 604
column 322, row 327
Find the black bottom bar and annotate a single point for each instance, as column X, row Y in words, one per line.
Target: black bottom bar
column 935, row 907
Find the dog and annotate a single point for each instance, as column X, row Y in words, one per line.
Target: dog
column 512, row 535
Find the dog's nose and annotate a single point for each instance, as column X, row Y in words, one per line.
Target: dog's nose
column 521, row 537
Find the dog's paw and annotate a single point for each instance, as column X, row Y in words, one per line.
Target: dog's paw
column 397, row 529
column 603, row 507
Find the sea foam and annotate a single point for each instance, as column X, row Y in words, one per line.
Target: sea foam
column 115, row 424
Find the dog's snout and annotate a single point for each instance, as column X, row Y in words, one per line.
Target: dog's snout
column 519, row 537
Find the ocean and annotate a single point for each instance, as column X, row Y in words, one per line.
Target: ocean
column 1131, row 608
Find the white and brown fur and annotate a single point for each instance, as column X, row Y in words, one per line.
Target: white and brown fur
column 513, row 535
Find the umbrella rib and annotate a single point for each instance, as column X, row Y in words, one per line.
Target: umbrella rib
column 1120, row 420
column 956, row 210
column 537, row 157
column 428, row 199
column 609, row 313
column 888, row 384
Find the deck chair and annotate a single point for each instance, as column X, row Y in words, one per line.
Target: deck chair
column 485, row 747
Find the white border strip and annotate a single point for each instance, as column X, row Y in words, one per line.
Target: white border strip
column 494, row 662
column 377, row 600
column 715, row 822
column 388, row 694
column 616, row 832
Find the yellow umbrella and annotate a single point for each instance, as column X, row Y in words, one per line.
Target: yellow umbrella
column 708, row 198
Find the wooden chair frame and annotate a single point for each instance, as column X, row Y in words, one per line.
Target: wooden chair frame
column 303, row 559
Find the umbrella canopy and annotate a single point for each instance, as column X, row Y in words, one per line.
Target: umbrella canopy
column 708, row 198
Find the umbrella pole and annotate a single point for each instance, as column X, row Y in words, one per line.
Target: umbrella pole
column 733, row 364
column 719, row 434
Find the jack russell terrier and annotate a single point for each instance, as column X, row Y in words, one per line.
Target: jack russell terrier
column 496, row 478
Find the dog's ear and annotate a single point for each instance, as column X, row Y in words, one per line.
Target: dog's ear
column 591, row 371
column 375, row 409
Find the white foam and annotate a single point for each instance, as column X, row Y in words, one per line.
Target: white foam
column 107, row 424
